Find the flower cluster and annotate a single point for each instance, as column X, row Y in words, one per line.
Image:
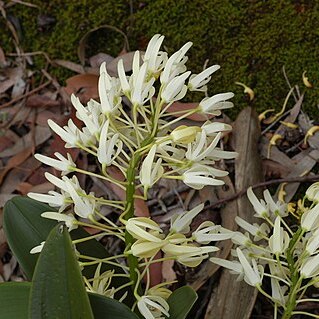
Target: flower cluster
column 186, row 250
column 289, row 257
column 133, row 129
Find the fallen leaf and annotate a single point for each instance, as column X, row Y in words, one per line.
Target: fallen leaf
column 98, row 59
column 40, row 136
column 78, row 68
column 11, row 75
column 14, row 161
column 84, row 86
column 38, row 100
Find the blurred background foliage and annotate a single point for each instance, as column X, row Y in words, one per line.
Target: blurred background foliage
column 252, row 40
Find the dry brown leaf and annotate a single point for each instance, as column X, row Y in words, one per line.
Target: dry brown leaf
column 233, row 298
column 78, row 68
column 303, row 167
column 40, row 136
column 19, row 174
column 3, row 61
column 38, row 100
column 11, row 75
column 42, row 188
column 4, row 198
column 5, row 142
column 98, row 59
column 168, row 272
column 127, row 62
column 83, row 86
column 15, row 161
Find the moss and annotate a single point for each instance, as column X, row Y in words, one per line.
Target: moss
column 251, row 40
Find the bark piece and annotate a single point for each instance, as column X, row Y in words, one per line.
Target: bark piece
column 235, row 299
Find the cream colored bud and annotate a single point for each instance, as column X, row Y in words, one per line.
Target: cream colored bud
column 185, row 134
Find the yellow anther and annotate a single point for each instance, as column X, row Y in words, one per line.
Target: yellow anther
column 289, row 124
column 247, row 90
column 185, row 134
column 262, row 115
column 273, row 141
column 291, row 207
column 282, row 193
column 311, row 132
column 305, row 80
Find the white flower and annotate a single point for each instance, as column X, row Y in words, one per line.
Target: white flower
column 197, row 82
column 175, row 65
column 208, row 232
column 310, row 219
column 150, row 172
column 258, row 231
column 310, row 267
column 313, row 242
column 239, row 238
column 152, row 54
column 71, row 137
column 277, row 208
column 56, row 181
column 63, row 164
column 214, row 104
column 198, row 150
column 108, row 91
column 123, row 78
column 142, row 91
column 69, row 220
column 140, row 227
column 197, row 179
column 175, row 89
column 253, row 274
column 84, row 115
column 190, row 256
column 83, row 206
column 234, row 266
column 153, row 307
column 211, row 129
column 279, row 241
column 259, row 207
column 180, row 222
column 312, row 192
column 109, row 148
column 146, row 249
column 54, row 199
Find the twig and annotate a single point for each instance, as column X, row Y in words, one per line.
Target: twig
column 39, row 88
column 297, row 179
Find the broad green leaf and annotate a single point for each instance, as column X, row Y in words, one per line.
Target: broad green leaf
column 14, row 300
column 25, row 229
column 107, row 308
column 181, row 302
column 57, row 289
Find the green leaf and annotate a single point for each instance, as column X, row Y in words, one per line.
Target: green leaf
column 181, row 302
column 57, row 289
column 14, row 298
column 15, row 303
column 107, row 308
column 25, row 229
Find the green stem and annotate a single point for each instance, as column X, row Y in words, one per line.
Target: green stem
column 295, row 279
